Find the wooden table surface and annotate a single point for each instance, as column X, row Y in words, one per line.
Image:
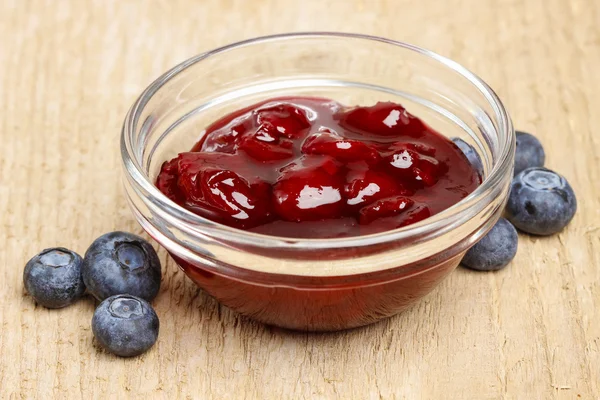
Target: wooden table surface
column 70, row 69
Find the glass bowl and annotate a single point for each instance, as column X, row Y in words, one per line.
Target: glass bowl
column 315, row 284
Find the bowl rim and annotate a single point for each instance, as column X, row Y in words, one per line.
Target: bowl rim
column 135, row 172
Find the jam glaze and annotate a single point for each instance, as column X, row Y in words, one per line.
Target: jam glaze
column 311, row 168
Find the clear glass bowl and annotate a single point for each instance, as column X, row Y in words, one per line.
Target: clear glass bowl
column 315, row 284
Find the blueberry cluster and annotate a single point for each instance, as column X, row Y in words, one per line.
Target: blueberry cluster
column 541, row 202
column 119, row 269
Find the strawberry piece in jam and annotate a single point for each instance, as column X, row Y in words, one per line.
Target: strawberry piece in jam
column 215, row 191
column 309, row 189
column 167, row 180
column 384, row 208
column 266, row 144
column 365, row 186
column 384, row 118
column 414, row 215
column 224, row 139
column 406, row 161
column 327, row 142
column 288, row 120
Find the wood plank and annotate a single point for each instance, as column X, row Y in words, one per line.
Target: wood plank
column 71, row 69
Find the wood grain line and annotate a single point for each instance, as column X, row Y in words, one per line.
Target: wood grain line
column 69, row 70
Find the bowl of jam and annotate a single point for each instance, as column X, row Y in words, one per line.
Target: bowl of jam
column 308, row 180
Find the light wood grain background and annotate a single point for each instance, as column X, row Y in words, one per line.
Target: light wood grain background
column 69, row 70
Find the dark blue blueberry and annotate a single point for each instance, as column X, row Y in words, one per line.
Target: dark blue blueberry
column 471, row 154
column 540, row 202
column 121, row 263
column 495, row 250
column 528, row 153
column 125, row 325
column 53, row 277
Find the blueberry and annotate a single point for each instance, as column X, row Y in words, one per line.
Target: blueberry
column 471, row 154
column 125, row 325
column 121, row 263
column 495, row 250
column 529, row 152
column 540, row 202
column 53, row 277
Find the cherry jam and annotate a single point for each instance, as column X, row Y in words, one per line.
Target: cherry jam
column 313, row 168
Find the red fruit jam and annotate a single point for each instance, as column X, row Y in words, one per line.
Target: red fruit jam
column 312, row 168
